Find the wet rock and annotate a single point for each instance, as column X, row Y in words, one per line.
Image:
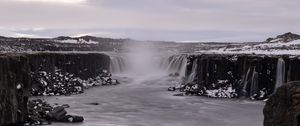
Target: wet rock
column 171, row 89
column 283, row 107
column 93, row 103
column 71, row 119
column 179, row 94
column 58, row 113
column 174, row 74
column 114, row 82
column 67, row 74
column 65, row 106
column 40, row 112
column 261, row 95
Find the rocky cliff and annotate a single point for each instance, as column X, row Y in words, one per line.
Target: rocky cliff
column 282, row 108
column 286, row 37
column 44, row 74
column 14, row 88
column 229, row 76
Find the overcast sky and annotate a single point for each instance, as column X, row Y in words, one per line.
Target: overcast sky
column 180, row 20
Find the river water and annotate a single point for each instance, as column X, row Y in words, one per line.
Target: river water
column 142, row 98
column 145, row 102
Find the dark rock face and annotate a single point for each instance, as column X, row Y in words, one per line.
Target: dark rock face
column 80, row 64
column 283, row 107
column 64, row 74
column 287, row 37
column 230, row 76
column 14, row 89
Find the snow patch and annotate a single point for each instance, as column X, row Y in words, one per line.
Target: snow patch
column 76, row 41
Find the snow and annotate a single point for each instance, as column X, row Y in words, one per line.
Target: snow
column 275, row 48
column 75, row 41
column 277, row 44
column 19, row 86
column 296, row 42
column 224, row 92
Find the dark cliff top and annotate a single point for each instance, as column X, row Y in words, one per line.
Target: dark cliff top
column 286, row 37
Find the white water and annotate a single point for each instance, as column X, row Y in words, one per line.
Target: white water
column 254, row 83
column 280, row 73
column 174, row 64
column 246, row 81
column 192, row 76
column 118, row 64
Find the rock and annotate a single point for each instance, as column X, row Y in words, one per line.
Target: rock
column 283, row 107
column 171, row 89
column 287, row 37
column 179, row 94
column 71, row 119
column 65, row 106
column 14, row 88
column 174, row 74
column 114, row 82
column 58, row 113
column 94, row 103
column 41, row 113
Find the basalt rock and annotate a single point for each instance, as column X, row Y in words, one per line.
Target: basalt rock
column 47, row 74
column 14, row 89
column 68, row 73
column 233, row 76
column 283, row 107
column 42, row 113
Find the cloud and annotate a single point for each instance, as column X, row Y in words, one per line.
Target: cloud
column 189, row 19
column 56, row 1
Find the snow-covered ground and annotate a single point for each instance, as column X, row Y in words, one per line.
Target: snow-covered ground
column 270, row 48
column 144, row 101
column 77, row 41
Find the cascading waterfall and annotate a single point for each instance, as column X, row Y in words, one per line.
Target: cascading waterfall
column 192, row 76
column 254, row 83
column 246, row 81
column 175, row 64
column 250, row 81
column 118, row 64
column 280, row 73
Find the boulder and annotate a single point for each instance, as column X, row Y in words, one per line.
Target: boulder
column 283, row 107
column 42, row 113
column 58, row 113
column 71, row 119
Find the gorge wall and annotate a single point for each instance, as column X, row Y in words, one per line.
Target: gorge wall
column 14, row 88
column 22, row 73
column 243, row 75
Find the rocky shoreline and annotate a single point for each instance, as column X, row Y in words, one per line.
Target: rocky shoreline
column 25, row 75
column 42, row 113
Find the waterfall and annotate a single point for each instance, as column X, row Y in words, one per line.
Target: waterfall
column 174, row 64
column 117, row 64
column 250, row 81
column 246, row 81
column 192, row 76
column 254, row 83
column 280, row 73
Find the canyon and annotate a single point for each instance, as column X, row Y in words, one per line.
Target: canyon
column 63, row 70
